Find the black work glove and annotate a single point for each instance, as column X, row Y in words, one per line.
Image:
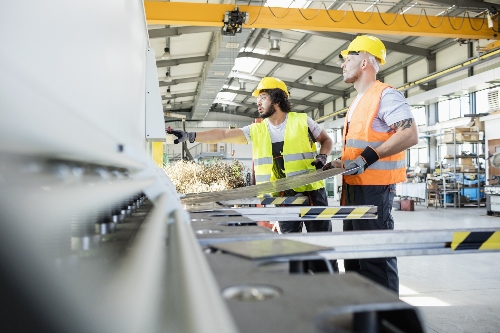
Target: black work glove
column 181, row 135
column 319, row 162
column 363, row 161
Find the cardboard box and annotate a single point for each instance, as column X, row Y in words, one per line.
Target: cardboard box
column 468, row 136
column 463, row 134
column 467, row 167
column 476, row 125
column 408, row 205
column 466, row 161
column 448, row 137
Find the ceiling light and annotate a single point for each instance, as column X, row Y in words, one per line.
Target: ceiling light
column 168, row 94
column 275, row 38
column 242, row 85
column 167, row 78
column 168, row 106
column 310, row 81
column 275, row 46
column 166, row 55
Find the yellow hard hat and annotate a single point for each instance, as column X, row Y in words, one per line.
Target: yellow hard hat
column 270, row 83
column 369, row 44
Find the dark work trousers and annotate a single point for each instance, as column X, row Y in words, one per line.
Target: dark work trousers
column 381, row 270
column 316, row 198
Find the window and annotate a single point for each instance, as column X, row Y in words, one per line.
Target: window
column 454, row 105
column 419, row 115
column 482, row 101
column 453, row 108
column 422, row 155
column 443, row 111
column 413, row 153
column 464, row 105
column 417, row 155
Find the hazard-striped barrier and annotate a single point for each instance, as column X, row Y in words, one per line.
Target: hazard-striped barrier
column 475, row 240
column 339, row 212
column 284, row 200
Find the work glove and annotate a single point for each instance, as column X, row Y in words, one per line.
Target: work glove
column 319, row 162
column 363, row 161
column 181, row 135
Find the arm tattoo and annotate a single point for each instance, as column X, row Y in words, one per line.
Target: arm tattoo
column 401, row 125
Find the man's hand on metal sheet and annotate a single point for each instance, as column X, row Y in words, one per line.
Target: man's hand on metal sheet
column 333, row 164
column 356, row 167
column 181, row 135
column 363, row 161
column 319, row 162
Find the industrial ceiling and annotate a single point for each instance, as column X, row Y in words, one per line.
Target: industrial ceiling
column 298, row 42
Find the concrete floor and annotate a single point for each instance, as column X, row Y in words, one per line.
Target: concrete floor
column 455, row 293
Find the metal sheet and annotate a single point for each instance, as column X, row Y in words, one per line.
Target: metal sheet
column 261, row 189
column 269, row 248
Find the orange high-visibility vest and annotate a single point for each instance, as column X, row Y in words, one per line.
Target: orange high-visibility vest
column 359, row 134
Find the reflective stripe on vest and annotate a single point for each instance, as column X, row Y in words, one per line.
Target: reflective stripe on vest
column 384, row 165
column 354, row 143
column 262, row 178
column 298, row 156
column 263, row 160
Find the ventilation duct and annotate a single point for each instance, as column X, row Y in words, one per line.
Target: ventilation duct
column 220, row 62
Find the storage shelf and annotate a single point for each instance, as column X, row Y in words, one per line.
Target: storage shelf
column 456, row 146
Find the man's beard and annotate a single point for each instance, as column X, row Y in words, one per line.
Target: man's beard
column 353, row 77
column 268, row 112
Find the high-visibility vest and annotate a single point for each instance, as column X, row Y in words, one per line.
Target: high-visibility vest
column 298, row 151
column 387, row 170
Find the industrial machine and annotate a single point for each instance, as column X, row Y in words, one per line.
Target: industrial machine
column 94, row 237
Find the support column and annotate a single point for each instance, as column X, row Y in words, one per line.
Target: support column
column 431, row 112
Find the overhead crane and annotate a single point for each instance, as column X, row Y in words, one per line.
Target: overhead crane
column 203, row 14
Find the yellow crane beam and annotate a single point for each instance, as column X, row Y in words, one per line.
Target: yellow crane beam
column 204, row 14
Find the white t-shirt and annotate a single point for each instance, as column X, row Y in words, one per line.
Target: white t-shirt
column 393, row 108
column 278, row 132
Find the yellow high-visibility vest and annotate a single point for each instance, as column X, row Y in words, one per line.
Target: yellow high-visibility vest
column 298, row 151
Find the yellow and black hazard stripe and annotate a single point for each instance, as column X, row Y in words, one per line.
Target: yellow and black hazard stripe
column 475, row 240
column 339, row 212
column 285, row 200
